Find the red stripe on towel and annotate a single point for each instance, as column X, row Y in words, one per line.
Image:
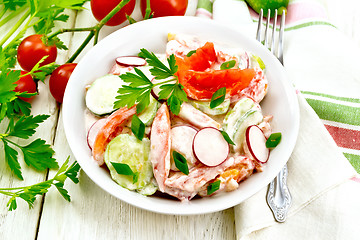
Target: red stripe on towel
column 345, row 138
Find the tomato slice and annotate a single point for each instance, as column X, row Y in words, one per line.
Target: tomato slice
column 201, row 83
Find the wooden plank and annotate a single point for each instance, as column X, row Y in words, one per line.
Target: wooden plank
column 22, row 223
column 94, row 214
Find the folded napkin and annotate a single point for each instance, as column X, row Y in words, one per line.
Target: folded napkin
column 321, row 63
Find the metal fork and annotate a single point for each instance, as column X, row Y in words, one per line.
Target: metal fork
column 278, row 195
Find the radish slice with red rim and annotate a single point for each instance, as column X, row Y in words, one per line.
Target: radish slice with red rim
column 93, row 131
column 130, row 61
column 210, row 147
column 256, row 143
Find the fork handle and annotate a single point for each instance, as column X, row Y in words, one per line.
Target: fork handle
column 279, row 203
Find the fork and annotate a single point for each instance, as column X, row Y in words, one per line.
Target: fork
column 278, row 195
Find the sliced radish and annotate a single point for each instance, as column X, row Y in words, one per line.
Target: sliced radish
column 93, row 131
column 210, row 147
column 130, row 61
column 256, row 143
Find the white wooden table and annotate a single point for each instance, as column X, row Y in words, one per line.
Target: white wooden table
column 93, row 213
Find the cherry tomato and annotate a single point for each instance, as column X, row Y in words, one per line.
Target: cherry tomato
column 101, row 8
column 32, row 49
column 59, row 79
column 25, row 84
column 161, row 8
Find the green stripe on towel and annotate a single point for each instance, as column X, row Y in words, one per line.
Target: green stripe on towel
column 335, row 112
column 354, row 100
column 354, row 160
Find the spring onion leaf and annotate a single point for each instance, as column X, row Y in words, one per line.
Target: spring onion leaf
column 226, row 137
column 124, row 169
column 190, row 53
column 180, row 162
column 137, row 127
column 218, row 97
column 213, row 187
column 228, row 65
column 273, row 140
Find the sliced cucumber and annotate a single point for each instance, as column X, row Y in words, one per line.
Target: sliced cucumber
column 245, row 113
column 205, row 107
column 100, row 96
column 148, row 115
column 129, row 150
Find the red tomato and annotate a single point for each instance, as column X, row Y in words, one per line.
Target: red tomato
column 59, row 79
column 200, row 83
column 32, row 49
column 161, row 8
column 25, row 84
column 101, row 8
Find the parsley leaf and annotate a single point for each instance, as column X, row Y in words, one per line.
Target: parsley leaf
column 26, row 125
column 11, row 159
column 29, row 193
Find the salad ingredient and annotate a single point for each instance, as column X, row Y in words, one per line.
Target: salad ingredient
column 218, row 97
column 112, row 127
column 182, row 138
column 180, row 162
column 256, row 143
column 280, row 5
column 210, row 147
column 196, row 117
column 139, row 86
column 162, row 8
column 273, row 140
column 32, row 49
column 227, row 65
column 101, row 95
column 155, row 91
column 226, row 137
column 245, row 113
column 101, row 8
column 59, row 79
column 93, row 131
column 137, row 127
column 130, row 61
column 25, row 84
column 29, row 193
column 129, row 150
column 160, row 146
column 213, row 187
column 200, row 84
column 124, row 169
column 204, row 106
column 148, row 115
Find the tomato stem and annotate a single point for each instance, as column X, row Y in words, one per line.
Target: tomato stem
column 82, row 46
column 15, row 28
column 64, row 30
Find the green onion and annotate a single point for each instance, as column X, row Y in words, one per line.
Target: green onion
column 228, row 65
column 218, row 97
column 226, row 137
column 180, row 162
column 273, row 140
column 213, row 187
column 138, row 127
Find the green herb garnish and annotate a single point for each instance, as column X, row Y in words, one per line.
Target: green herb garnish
column 139, row 86
column 226, row 137
column 190, row 53
column 218, row 97
column 124, row 169
column 273, row 140
column 137, row 127
column 228, row 65
column 180, row 162
column 213, row 187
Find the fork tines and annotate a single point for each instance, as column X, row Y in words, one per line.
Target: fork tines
column 271, row 45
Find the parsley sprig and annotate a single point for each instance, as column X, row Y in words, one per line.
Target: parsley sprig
column 29, row 193
column 138, row 88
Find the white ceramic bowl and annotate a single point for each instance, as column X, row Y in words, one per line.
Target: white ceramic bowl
column 281, row 102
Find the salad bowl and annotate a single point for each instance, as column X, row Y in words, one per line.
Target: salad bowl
column 280, row 102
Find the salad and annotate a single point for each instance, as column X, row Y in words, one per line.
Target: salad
column 184, row 123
